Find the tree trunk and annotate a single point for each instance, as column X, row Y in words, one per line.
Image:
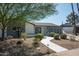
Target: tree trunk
column 74, row 24
column 78, row 11
column 78, row 7
column 3, row 34
column 18, row 31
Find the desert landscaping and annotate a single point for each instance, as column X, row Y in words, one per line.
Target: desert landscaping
column 39, row 29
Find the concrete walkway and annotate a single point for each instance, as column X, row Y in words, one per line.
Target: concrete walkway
column 46, row 41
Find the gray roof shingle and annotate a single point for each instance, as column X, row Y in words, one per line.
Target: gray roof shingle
column 66, row 25
column 69, row 25
column 43, row 24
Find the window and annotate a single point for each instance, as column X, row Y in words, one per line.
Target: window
column 37, row 29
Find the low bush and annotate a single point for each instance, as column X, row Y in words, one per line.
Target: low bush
column 52, row 34
column 23, row 35
column 38, row 37
column 19, row 42
column 72, row 38
column 63, row 36
column 56, row 37
column 36, row 44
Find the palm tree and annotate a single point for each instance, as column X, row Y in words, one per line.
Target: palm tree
column 74, row 24
column 78, row 7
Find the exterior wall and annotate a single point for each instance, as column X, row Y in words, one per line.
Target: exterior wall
column 29, row 29
column 44, row 30
column 55, row 29
column 47, row 29
column 68, row 30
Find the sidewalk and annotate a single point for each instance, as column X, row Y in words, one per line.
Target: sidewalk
column 74, row 52
column 46, row 41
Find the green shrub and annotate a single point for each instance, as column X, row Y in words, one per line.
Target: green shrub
column 52, row 34
column 63, row 36
column 39, row 36
column 23, row 35
column 56, row 37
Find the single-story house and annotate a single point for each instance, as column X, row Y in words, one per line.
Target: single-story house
column 32, row 28
column 68, row 28
column 45, row 28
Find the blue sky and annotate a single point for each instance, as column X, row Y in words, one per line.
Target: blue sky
column 63, row 10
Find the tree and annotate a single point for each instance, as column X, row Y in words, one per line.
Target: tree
column 70, row 18
column 73, row 20
column 11, row 13
column 78, row 7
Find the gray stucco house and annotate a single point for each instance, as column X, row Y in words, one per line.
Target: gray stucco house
column 32, row 28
